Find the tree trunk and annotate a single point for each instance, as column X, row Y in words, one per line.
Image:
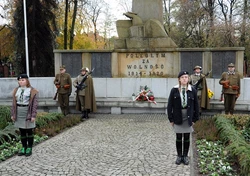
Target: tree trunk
column 71, row 40
column 66, row 24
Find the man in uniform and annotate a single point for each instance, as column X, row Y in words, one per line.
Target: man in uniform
column 198, row 80
column 85, row 97
column 230, row 81
column 63, row 84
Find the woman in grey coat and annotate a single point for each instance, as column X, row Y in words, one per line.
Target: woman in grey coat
column 23, row 112
column 183, row 112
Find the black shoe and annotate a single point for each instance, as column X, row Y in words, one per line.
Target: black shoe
column 178, row 160
column 185, row 160
column 83, row 115
column 86, row 115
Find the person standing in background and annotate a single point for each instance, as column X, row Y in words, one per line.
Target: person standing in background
column 183, row 112
column 63, row 84
column 85, row 97
column 230, row 81
column 198, row 80
column 23, row 112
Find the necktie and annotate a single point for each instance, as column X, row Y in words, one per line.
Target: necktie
column 183, row 97
column 21, row 96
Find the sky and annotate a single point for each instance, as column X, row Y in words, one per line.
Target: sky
column 116, row 9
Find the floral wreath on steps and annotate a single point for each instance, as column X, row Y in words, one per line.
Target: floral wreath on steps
column 145, row 94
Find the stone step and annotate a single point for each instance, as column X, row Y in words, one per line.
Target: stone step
column 126, row 105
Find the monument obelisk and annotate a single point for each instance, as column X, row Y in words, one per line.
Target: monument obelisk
column 148, row 9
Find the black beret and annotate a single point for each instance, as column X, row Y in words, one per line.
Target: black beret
column 22, row 76
column 182, row 73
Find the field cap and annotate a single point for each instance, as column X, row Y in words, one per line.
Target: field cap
column 62, row 67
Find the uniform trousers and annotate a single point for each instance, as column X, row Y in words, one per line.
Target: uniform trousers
column 82, row 101
column 63, row 100
column 229, row 103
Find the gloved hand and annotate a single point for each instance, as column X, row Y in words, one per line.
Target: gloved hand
column 78, row 86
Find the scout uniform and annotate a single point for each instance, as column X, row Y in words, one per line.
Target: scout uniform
column 85, row 98
column 183, row 111
column 231, row 88
column 202, row 90
column 23, row 113
column 63, row 84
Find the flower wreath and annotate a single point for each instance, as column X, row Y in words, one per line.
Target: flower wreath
column 145, row 94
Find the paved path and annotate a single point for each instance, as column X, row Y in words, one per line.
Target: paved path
column 106, row 145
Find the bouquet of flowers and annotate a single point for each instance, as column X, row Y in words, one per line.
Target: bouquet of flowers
column 145, row 94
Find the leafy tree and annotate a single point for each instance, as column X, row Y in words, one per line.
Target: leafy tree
column 40, row 26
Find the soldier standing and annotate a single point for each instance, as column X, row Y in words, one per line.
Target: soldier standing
column 63, row 84
column 199, row 81
column 85, row 98
column 230, row 81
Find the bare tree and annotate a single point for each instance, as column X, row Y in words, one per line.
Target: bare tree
column 227, row 12
column 167, row 9
column 94, row 10
column 126, row 5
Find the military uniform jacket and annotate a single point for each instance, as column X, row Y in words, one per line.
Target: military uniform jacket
column 204, row 89
column 63, row 79
column 77, row 81
column 89, row 93
column 234, row 79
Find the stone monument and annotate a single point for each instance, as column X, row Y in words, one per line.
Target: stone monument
column 145, row 28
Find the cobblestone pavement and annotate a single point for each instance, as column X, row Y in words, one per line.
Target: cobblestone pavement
column 105, row 145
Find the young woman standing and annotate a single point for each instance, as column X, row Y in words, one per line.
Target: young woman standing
column 183, row 112
column 23, row 112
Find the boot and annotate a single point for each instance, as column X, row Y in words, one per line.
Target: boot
column 83, row 114
column 86, row 114
column 179, row 152
column 185, row 152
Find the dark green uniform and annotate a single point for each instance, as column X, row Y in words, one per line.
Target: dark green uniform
column 231, row 89
column 63, row 83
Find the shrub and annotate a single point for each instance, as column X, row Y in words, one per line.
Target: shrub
column 236, row 144
column 5, row 117
column 8, row 133
column 205, row 129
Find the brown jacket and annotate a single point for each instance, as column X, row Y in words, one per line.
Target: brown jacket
column 90, row 102
column 63, row 79
column 33, row 104
column 234, row 80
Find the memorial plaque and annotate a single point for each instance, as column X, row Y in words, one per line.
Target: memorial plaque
column 102, row 64
column 189, row 60
column 146, row 65
column 73, row 63
column 220, row 60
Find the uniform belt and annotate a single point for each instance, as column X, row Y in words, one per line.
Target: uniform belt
column 22, row 105
column 184, row 107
